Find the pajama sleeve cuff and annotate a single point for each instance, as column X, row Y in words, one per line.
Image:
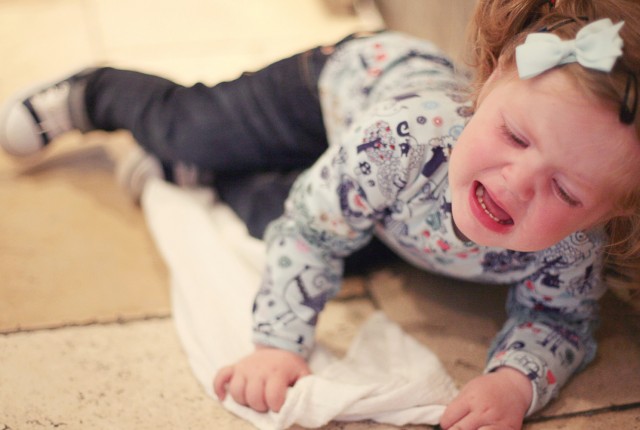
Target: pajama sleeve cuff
column 547, row 355
column 530, row 366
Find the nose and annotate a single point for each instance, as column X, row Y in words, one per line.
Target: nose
column 520, row 179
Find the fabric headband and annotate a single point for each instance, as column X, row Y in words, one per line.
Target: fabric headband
column 597, row 46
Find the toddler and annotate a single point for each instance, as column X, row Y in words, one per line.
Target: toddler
column 526, row 175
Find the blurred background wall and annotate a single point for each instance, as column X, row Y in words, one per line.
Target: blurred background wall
column 441, row 21
column 425, row 18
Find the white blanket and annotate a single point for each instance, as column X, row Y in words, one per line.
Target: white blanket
column 215, row 268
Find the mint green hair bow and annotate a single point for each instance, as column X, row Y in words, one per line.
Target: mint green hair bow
column 596, row 46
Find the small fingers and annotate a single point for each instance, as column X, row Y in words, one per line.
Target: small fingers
column 304, row 372
column 470, row 422
column 260, row 387
column 275, row 393
column 237, row 388
column 255, row 395
column 244, row 392
column 455, row 412
column 221, row 380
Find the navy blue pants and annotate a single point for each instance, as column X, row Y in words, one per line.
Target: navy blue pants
column 255, row 134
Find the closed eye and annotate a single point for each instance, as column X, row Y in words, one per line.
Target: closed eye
column 514, row 138
column 564, row 195
column 557, row 188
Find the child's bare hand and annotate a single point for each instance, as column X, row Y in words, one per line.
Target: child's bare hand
column 260, row 380
column 495, row 401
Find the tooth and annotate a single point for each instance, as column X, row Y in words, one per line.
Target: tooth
column 480, row 197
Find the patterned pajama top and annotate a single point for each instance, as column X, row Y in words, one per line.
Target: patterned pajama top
column 394, row 107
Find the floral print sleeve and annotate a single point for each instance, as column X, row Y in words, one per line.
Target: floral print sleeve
column 552, row 313
column 331, row 212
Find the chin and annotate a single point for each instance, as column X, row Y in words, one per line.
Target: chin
column 508, row 243
column 489, row 240
column 479, row 235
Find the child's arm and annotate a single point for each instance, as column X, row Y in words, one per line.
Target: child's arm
column 261, row 379
column 552, row 315
column 327, row 217
column 548, row 337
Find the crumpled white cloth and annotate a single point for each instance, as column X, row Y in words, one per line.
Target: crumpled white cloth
column 215, row 266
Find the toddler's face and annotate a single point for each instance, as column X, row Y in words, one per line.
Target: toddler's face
column 537, row 162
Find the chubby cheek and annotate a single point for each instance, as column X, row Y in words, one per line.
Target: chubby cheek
column 461, row 166
column 545, row 226
column 465, row 167
column 473, row 154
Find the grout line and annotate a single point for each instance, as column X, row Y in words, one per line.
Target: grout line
column 120, row 320
column 587, row 413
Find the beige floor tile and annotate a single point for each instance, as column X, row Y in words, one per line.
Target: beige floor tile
column 128, row 376
column 131, row 376
column 627, row 420
column 75, row 249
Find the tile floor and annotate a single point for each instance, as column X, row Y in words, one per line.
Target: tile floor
column 86, row 337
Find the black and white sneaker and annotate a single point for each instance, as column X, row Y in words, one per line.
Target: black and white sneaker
column 31, row 120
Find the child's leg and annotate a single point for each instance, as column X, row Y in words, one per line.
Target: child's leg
column 251, row 132
column 267, row 120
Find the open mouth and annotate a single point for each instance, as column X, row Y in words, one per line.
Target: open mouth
column 491, row 208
